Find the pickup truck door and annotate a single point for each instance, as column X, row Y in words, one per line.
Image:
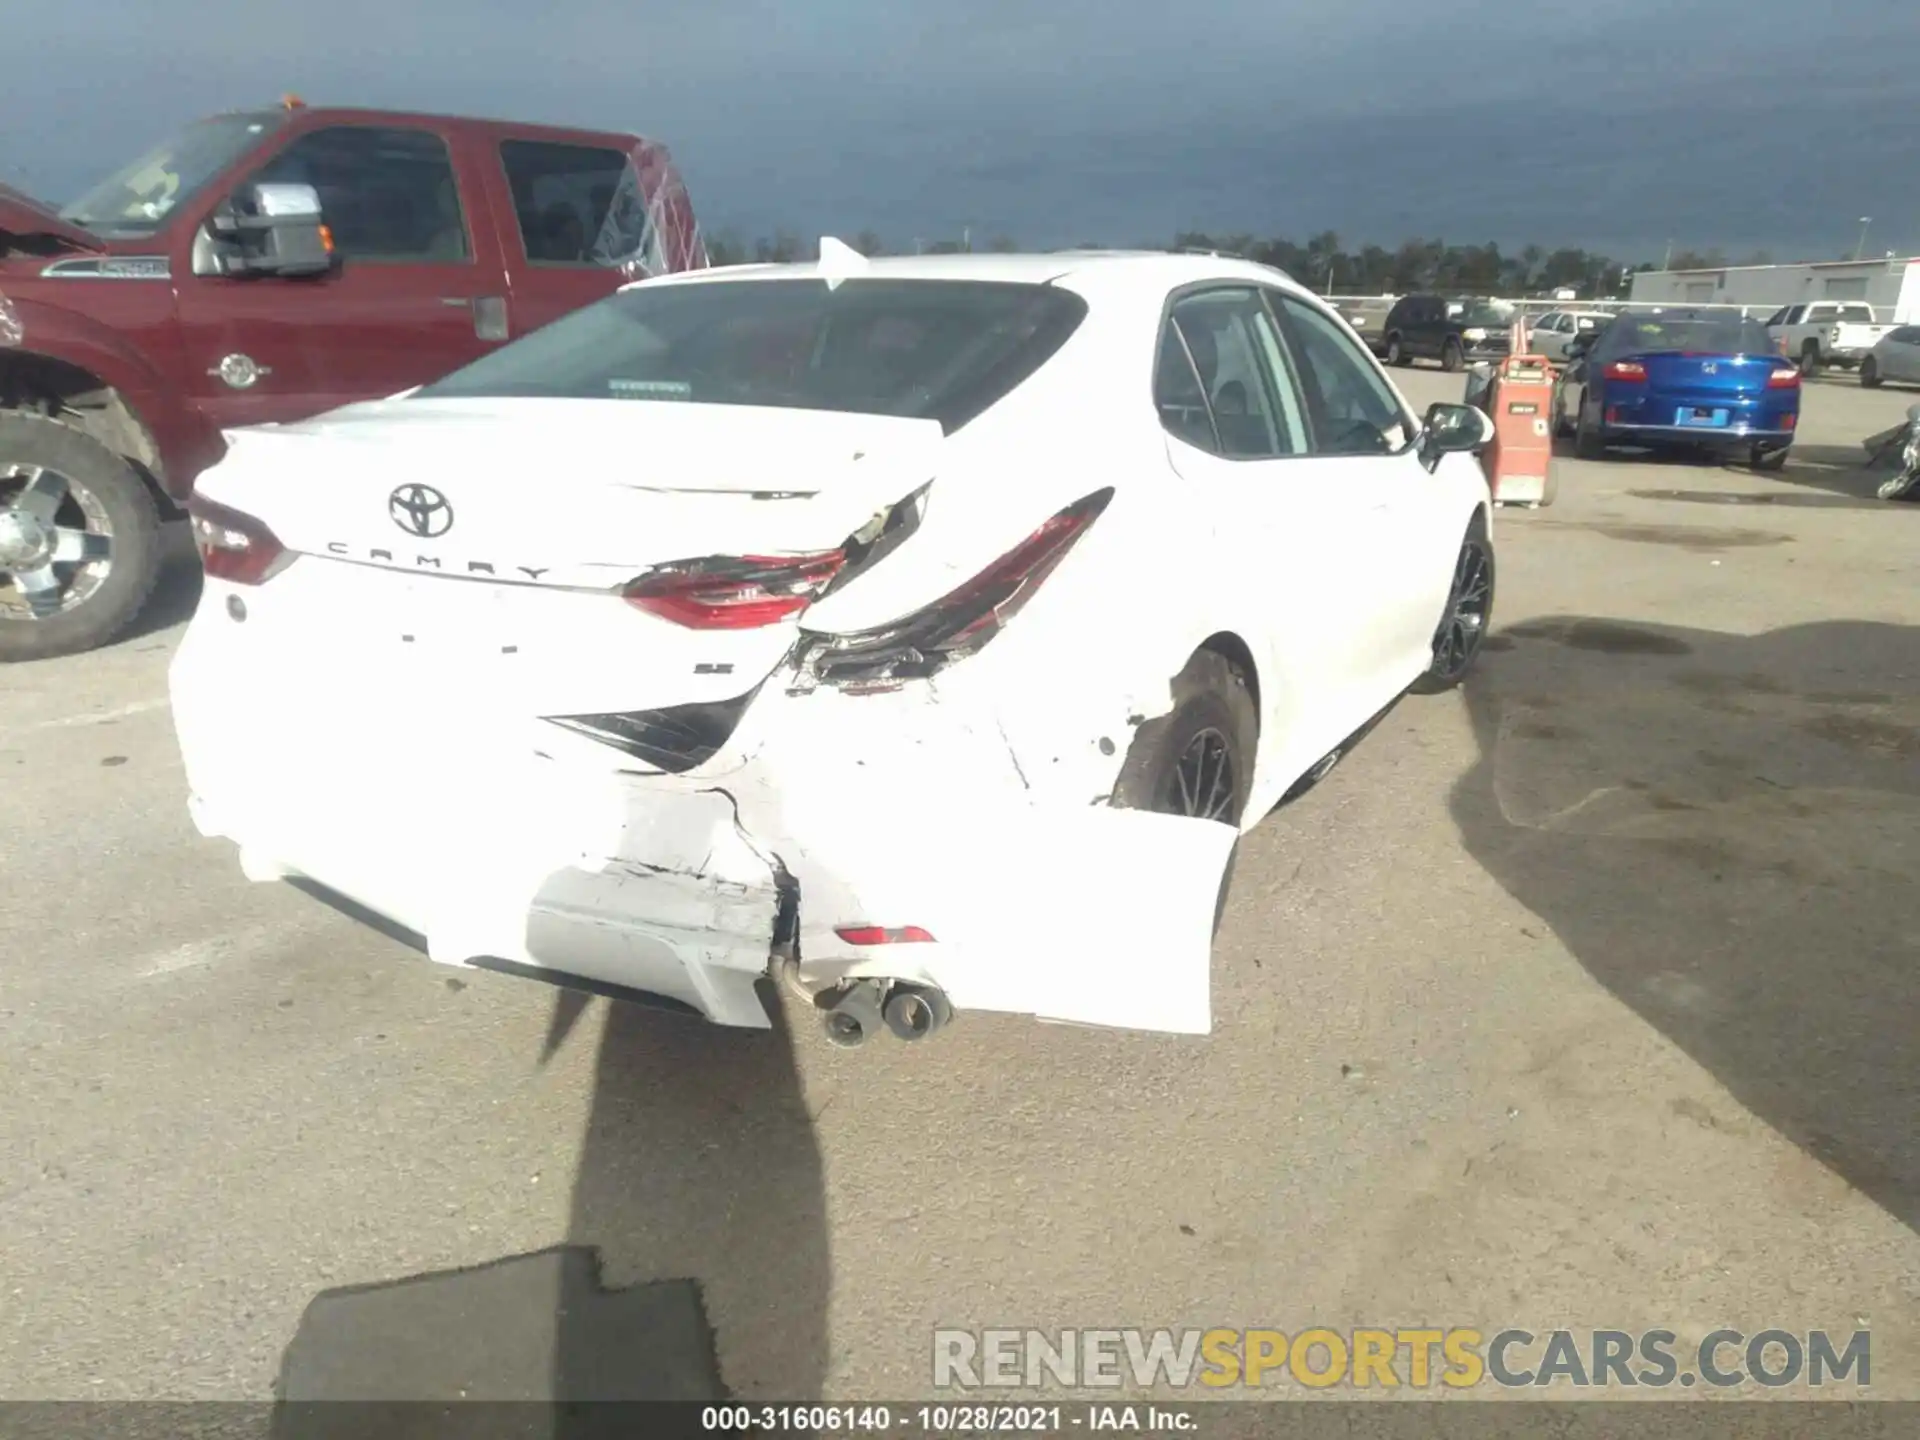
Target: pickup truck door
column 565, row 215
column 420, row 291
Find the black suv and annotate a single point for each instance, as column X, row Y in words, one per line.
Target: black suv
column 1432, row 327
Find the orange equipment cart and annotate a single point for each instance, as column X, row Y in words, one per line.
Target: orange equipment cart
column 1518, row 396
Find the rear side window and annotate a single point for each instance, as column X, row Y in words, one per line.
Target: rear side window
column 388, row 192
column 574, row 204
column 942, row 350
column 1223, row 382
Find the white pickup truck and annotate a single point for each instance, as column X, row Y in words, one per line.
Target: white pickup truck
column 1831, row 332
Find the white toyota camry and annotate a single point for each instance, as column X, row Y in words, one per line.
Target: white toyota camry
column 920, row 633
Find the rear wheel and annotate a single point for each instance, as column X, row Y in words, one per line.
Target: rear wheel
column 1197, row 759
column 79, row 540
column 1810, row 359
column 1870, row 373
column 1587, row 443
column 1469, row 613
column 1761, row 458
column 1452, row 357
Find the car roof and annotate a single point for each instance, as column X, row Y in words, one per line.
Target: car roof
column 1081, row 270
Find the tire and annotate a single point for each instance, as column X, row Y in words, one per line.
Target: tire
column 1210, row 696
column 1767, row 460
column 1452, row 357
column 102, row 495
column 1464, row 625
column 1870, row 373
column 1809, row 360
column 1396, row 353
column 1561, row 429
column 1587, row 443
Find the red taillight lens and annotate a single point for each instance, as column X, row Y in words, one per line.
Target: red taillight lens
column 234, row 546
column 960, row 623
column 741, row 592
column 1784, row 378
column 1631, row 371
column 880, row 935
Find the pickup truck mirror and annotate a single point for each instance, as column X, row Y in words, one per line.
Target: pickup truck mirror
column 266, row 230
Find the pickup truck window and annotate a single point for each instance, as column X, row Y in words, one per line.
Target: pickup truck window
column 387, row 192
column 137, row 199
column 573, row 203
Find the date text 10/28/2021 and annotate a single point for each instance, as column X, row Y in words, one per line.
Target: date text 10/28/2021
column 943, row 1419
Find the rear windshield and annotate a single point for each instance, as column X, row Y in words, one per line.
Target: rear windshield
column 1650, row 334
column 925, row 349
column 1482, row 312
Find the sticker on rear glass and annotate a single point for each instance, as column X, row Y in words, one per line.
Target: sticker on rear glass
column 651, row 389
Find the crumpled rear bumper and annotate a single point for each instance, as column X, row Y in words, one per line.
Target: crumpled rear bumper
column 514, row 842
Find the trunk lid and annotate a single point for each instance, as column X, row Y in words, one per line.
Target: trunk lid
column 1704, row 378
column 24, row 218
column 539, row 513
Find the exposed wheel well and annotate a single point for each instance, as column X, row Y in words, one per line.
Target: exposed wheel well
column 43, row 385
column 1234, row 651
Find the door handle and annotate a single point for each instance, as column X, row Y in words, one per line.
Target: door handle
column 458, row 302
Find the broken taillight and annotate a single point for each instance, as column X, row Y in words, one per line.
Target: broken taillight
column 961, row 622
column 234, row 546
column 882, row 935
column 734, row 592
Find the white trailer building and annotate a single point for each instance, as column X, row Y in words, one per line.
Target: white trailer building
column 1890, row 285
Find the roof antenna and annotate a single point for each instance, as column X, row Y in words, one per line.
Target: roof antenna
column 839, row 261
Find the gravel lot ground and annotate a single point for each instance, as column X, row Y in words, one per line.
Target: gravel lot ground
column 1585, row 997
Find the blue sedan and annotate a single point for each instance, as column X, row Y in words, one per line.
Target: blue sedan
column 1680, row 379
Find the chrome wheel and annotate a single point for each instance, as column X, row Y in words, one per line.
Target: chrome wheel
column 1203, row 779
column 1466, row 623
column 56, row 543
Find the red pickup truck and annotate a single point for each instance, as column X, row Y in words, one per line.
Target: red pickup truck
column 267, row 266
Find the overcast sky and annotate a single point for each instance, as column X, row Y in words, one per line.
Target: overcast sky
column 1742, row 124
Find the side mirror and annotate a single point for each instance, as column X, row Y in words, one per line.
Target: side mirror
column 266, row 230
column 1454, row 429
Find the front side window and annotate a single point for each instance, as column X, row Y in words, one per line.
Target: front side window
column 575, row 204
column 925, row 349
column 1355, row 410
column 137, row 199
column 388, row 193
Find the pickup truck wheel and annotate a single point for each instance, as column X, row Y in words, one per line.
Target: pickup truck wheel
column 1870, row 373
column 1810, row 359
column 79, row 540
column 1452, row 357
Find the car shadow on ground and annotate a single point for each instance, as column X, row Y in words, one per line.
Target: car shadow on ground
column 1725, row 832
column 695, row 1265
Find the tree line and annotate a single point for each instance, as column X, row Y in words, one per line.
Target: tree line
column 1322, row 262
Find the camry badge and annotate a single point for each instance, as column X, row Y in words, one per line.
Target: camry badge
column 420, row 510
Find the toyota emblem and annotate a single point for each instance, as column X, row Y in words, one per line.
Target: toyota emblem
column 420, row 510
